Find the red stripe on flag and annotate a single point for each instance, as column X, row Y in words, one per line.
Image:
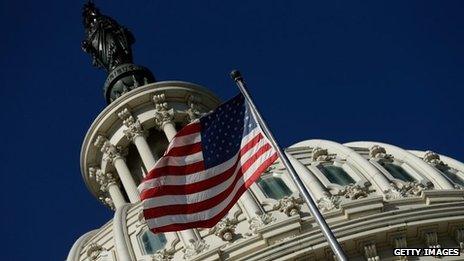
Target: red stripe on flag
column 176, row 170
column 213, row 221
column 184, row 150
column 249, row 145
column 189, row 129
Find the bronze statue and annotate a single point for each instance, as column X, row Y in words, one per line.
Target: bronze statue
column 107, row 42
column 109, row 45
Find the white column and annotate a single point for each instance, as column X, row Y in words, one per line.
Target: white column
column 134, row 133
column 170, row 130
column 126, row 179
column 145, row 152
column 112, row 155
column 116, row 195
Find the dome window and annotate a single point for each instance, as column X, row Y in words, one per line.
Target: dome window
column 397, row 171
column 452, row 175
column 150, row 242
column 274, row 187
column 337, row 175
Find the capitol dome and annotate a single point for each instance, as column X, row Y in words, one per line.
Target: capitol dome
column 374, row 196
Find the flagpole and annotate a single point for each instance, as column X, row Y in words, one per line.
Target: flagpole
column 328, row 234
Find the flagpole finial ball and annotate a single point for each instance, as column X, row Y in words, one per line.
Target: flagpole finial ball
column 236, row 75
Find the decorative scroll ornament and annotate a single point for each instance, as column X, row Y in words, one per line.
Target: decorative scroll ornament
column 163, row 255
column 412, row 189
column 110, row 152
column 320, row 154
column 134, row 128
column 354, row 192
column 225, row 229
column 94, row 250
column 328, row 203
column 194, row 248
column 370, row 252
column 163, row 114
column 258, row 222
column 289, row 205
column 193, row 111
column 103, row 179
column 433, row 158
column 379, row 152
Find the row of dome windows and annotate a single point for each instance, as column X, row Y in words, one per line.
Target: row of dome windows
column 275, row 188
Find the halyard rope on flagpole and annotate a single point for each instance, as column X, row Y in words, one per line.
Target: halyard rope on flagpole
column 328, row 234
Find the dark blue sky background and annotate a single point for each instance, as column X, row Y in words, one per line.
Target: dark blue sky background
column 387, row 71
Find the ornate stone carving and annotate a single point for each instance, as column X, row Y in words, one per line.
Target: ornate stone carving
column 354, row 192
column 93, row 251
column 320, row 154
column 110, row 152
column 260, row 221
column 163, row 113
column 328, row 203
column 193, row 111
column 370, row 252
column 379, row 152
column 225, row 229
column 289, row 205
column 163, row 255
column 432, row 158
column 103, row 179
column 459, row 237
column 393, row 193
column 194, row 248
column 431, row 239
column 408, row 189
column 134, row 128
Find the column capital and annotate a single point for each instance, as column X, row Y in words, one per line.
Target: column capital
column 193, row 111
column 134, row 127
column 163, row 113
column 103, row 179
column 110, row 151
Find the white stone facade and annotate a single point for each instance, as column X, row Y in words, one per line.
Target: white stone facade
column 374, row 196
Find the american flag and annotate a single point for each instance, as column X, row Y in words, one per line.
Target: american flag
column 207, row 166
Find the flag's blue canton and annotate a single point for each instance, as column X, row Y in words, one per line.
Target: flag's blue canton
column 223, row 129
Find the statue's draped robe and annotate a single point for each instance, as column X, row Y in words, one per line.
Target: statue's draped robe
column 109, row 43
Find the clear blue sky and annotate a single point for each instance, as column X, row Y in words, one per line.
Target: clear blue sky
column 387, row 71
